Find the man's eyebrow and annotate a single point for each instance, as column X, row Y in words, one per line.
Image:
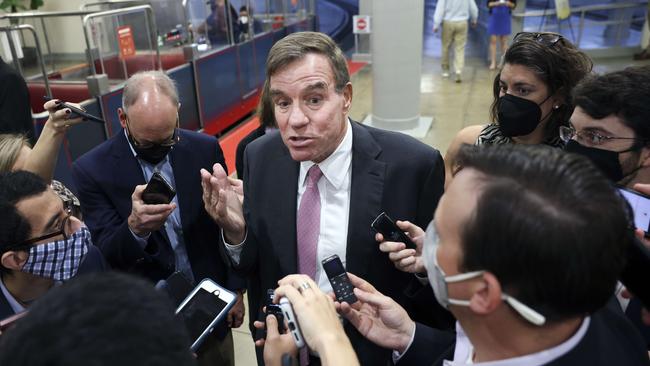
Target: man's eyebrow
column 275, row 93
column 52, row 220
column 319, row 85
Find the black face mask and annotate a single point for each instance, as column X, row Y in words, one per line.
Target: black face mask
column 605, row 160
column 518, row 116
column 152, row 154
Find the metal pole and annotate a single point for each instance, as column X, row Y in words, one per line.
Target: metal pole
column 14, row 54
column 581, row 27
column 91, row 61
column 47, row 43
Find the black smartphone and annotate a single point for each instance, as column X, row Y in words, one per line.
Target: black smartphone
column 76, row 112
column 384, row 225
column 274, row 309
column 640, row 204
column 158, row 191
column 636, row 273
column 338, row 277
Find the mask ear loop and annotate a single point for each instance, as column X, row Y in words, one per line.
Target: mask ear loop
column 523, row 310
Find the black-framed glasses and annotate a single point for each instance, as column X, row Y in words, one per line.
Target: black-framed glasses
column 61, row 231
column 146, row 145
column 546, row 38
column 591, row 137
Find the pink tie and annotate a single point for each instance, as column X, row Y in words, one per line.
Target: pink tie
column 308, row 224
column 308, row 228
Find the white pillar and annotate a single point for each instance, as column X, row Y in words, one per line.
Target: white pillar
column 396, row 44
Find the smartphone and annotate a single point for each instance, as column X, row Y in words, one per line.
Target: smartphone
column 384, row 225
column 9, row 322
column 338, row 277
column 640, row 204
column 274, row 309
column 76, row 112
column 292, row 322
column 158, row 191
column 176, row 286
column 205, row 307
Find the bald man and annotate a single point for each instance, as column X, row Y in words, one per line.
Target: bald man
column 155, row 240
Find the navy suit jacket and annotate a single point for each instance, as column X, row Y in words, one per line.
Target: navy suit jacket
column 106, row 177
column 610, row 340
column 391, row 172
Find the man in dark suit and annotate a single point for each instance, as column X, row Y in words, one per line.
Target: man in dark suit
column 313, row 189
column 526, row 268
column 154, row 240
column 40, row 242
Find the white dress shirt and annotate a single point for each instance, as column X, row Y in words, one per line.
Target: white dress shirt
column 334, row 189
column 15, row 305
column 464, row 351
column 454, row 11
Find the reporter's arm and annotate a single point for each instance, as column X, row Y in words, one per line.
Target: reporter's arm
column 42, row 159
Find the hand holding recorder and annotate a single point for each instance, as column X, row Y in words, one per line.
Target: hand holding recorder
column 404, row 251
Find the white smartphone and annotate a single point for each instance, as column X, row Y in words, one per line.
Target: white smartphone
column 203, row 309
column 292, row 322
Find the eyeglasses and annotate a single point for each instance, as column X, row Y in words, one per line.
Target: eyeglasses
column 591, row 137
column 146, row 145
column 546, row 38
column 62, row 231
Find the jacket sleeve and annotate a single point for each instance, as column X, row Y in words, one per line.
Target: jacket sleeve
column 428, row 345
column 110, row 232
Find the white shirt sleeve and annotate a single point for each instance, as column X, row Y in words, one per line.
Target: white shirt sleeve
column 234, row 251
column 473, row 10
column 396, row 355
column 142, row 240
column 439, row 13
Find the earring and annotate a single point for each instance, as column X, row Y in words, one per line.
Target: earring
column 556, row 106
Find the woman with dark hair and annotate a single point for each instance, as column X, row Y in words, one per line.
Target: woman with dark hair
column 532, row 94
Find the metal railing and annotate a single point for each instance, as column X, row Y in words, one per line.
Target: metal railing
column 583, row 10
column 17, row 28
column 150, row 24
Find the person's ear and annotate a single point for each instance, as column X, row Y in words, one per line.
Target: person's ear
column 122, row 116
column 487, row 295
column 347, row 97
column 14, row 260
column 645, row 157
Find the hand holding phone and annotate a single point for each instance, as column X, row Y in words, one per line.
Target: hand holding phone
column 292, row 322
column 339, row 280
column 158, row 191
column 205, row 307
column 384, row 225
column 275, row 310
column 76, row 112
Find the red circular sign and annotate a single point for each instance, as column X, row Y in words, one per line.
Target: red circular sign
column 361, row 24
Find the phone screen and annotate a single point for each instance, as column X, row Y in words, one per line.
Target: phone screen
column 641, row 207
column 333, row 267
column 200, row 311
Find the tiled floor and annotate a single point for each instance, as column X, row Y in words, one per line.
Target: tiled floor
column 453, row 107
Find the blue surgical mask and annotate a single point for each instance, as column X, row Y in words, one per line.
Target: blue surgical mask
column 438, row 280
column 59, row 260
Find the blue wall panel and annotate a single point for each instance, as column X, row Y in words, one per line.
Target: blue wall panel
column 188, row 113
column 218, row 82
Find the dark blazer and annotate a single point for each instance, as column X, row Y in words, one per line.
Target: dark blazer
column 610, row 340
column 391, row 172
column 106, row 177
column 241, row 147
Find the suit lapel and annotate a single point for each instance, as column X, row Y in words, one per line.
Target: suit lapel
column 184, row 172
column 128, row 172
column 284, row 193
column 366, row 193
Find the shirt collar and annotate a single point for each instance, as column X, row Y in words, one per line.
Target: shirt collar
column 335, row 166
column 464, row 350
column 15, row 305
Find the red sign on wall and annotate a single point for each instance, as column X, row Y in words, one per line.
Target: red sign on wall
column 125, row 39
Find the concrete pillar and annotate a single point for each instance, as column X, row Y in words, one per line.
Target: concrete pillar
column 396, row 43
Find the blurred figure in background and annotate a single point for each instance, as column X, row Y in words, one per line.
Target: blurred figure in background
column 499, row 24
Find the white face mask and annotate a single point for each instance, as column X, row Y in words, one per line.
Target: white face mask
column 243, row 19
column 439, row 281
